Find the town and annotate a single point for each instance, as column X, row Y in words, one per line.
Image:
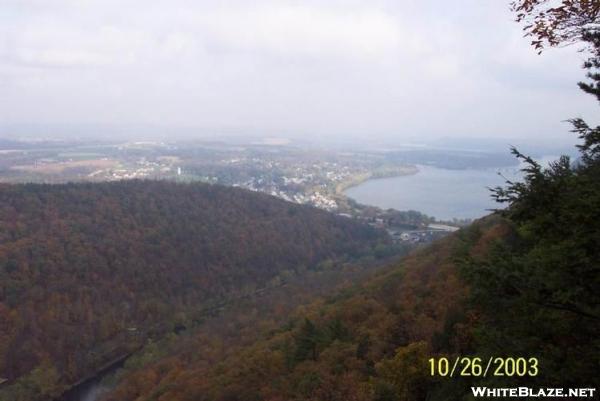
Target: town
column 293, row 173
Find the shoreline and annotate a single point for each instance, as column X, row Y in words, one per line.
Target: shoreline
column 359, row 179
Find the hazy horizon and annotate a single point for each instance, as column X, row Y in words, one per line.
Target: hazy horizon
column 378, row 71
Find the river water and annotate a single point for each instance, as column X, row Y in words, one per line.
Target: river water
column 441, row 193
column 94, row 388
column 91, row 393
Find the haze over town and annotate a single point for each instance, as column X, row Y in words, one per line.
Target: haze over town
column 401, row 71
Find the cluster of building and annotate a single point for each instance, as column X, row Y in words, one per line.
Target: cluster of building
column 303, row 183
column 429, row 234
column 142, row 168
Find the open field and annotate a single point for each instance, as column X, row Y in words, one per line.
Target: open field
column 60, row 167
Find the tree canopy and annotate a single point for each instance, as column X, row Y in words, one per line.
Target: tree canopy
column 88, row 272
column 556, row 22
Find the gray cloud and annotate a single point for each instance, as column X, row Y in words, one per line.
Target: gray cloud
column 355, row 68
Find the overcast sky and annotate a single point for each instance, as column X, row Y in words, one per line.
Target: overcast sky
column 364, row 69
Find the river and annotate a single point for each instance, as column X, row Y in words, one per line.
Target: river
column 441, row 193
column 93, row 388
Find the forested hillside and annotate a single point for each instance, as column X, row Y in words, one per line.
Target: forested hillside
column 373, row 342
column 370, row 342
column 89, row 271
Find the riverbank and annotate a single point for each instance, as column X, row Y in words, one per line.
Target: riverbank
column 383, row 172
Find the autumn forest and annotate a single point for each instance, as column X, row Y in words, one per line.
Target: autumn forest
column 174, row 290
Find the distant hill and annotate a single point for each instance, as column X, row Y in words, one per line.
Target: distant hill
column 89, row 271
